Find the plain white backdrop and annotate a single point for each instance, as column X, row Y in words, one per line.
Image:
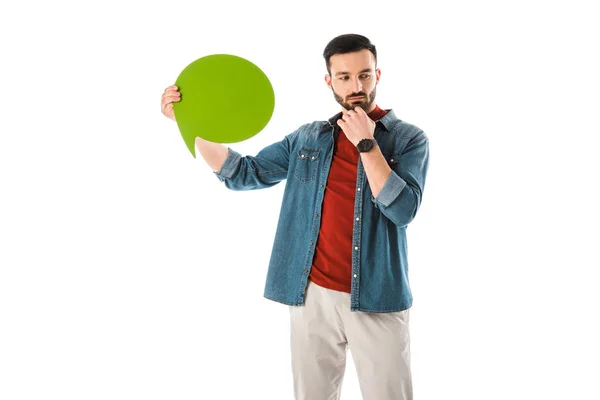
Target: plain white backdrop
column 128, row 271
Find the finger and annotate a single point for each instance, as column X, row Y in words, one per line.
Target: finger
column 170, row 92
column 174, row 97
column 170, row 99
column 359, row 110
column 345, row 114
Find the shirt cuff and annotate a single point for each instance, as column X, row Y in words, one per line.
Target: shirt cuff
column 230, row 166
column 390, row 190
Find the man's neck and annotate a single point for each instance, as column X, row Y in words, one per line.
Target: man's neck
column 371, row 109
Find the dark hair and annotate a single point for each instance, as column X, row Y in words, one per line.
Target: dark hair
column 347, row 43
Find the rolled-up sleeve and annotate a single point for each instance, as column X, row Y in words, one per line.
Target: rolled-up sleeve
column 231, row 165
column 266, row 169
column 400, row 198
column 390, row 190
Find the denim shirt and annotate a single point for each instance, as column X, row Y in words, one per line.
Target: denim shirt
column 379, row 251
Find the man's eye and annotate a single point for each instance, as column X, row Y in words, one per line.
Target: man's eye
column 344, row 78
column 365, row 76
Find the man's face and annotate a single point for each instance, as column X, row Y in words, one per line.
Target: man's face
column 353, row 79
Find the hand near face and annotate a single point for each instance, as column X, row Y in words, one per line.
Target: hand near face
column 357, row 125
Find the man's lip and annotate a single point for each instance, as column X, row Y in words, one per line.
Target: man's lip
column 359, row 97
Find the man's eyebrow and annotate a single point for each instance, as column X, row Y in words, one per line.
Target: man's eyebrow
column 348, row 73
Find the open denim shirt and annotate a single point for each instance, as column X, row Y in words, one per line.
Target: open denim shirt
column 379, row 251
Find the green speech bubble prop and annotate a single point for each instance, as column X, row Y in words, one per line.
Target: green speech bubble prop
column 224, row 99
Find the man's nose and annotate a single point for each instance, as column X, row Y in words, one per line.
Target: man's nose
column 356, row 85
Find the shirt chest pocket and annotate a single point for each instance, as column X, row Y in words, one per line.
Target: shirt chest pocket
column 307, row 162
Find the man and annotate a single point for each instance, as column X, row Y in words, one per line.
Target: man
column 339, row 258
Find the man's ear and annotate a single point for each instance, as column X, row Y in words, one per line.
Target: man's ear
column 328, row 80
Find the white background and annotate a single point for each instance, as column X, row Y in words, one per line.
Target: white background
column 128, row 271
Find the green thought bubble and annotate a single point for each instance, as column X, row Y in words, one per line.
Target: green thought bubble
column 224, row 99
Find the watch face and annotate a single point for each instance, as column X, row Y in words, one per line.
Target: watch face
column 365, row 145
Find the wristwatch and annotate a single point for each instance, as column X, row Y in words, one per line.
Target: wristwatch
column 365, row 145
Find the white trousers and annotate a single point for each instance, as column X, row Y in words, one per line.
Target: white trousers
column 324, row 328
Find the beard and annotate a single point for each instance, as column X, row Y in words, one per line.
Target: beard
column 364, row 103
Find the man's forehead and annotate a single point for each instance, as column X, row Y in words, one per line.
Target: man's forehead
column 352, row 63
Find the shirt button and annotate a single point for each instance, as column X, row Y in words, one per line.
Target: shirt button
column 355, row 247
column 392, row 160
column 359, row 189
column 356, row 276
column 311, row 243
column 317, row 215
column 322, row 186
column 358, row 219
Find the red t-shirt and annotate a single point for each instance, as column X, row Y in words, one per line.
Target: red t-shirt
column 332, row 262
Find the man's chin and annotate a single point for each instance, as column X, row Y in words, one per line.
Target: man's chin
column 357, row 103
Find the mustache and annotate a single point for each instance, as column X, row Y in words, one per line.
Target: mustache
column 357, row 95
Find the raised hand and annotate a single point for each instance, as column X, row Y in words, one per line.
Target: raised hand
column 170, row 95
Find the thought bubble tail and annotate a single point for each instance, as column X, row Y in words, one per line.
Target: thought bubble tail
column 190, row 143
column 191, row 147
